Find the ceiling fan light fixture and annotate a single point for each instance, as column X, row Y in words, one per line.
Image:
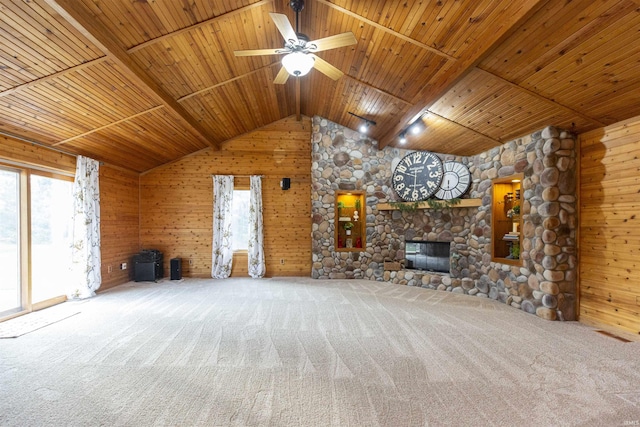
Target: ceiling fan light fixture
column 364, row 127
column 297, row 63
column 403, row 138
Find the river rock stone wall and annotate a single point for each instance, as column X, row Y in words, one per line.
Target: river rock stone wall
column 545, row 282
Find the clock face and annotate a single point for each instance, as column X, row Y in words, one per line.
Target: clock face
column 417, row 176
column 455, row 182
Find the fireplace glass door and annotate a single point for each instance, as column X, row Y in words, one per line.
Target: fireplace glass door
column 428, row 256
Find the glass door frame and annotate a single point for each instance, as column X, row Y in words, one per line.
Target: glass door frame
column 59, row 298
column 24, row 206
column 24, row 253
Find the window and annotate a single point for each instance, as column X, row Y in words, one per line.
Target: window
column 240, row 225
column 10, row 289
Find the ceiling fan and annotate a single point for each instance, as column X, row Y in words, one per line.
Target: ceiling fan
column 299, row 50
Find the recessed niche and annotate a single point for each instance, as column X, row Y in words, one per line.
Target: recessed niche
column 350, row 221
column 506, row 227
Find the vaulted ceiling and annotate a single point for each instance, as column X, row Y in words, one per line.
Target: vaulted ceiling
column 140, row 83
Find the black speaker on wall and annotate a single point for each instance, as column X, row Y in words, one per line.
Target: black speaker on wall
column 285, row 183
column 176, row 269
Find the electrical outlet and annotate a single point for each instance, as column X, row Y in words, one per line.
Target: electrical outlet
column 109, row 269
column 123, row 266
column 282, row 261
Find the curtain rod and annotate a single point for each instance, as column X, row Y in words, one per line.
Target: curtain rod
column 240, row 176
column 40, row 144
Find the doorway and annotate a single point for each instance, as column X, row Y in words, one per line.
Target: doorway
column 51, row 211
column 35, row 252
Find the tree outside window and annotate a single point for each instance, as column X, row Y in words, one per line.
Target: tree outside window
column 240, row 225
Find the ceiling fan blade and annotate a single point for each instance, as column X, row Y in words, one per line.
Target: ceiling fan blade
column 281, row 77
column 284, row 26
column 325, row 68
column 256, row 52
column 332, row 42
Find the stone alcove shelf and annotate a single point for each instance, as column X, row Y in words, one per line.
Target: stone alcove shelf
column 464, row 203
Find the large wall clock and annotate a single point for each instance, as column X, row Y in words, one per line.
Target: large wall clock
column 417, row 176
column 455, row 181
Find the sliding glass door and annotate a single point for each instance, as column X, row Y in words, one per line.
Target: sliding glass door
column 35, row 245
column 51, row 210
column 10, row 289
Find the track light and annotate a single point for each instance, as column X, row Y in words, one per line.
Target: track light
column 414, row 129
column 366, row 123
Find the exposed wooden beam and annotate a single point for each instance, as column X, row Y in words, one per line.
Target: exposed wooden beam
column 459, row 69
column 199, row 24
column 207, row 89
column 387, row 30
column 378, row 90
column 74, row 13
column 468, row 129
column 52, row 76
column 126, row 119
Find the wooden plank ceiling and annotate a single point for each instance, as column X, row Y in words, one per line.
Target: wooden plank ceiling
column 142, row 83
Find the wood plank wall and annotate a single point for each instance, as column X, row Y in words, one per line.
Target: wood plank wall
column 119, row 223
column 36, row 156
column 119, row 205
column 176, row 200
column 609, row 240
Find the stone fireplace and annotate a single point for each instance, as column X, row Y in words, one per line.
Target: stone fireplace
column 544, row 283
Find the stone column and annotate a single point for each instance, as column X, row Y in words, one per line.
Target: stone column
column 553, row 223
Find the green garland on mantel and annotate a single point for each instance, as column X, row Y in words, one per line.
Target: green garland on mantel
column 433, row 204
column 442, row 204
column 405, row 206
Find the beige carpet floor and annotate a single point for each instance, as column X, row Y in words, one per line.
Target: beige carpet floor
column 303, row 352
column 19, row 326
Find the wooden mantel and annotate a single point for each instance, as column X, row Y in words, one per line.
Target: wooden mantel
column 464, row 203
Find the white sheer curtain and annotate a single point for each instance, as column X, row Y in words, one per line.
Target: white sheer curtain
column 85, row 250
column 256, row 247
column 222, row 251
